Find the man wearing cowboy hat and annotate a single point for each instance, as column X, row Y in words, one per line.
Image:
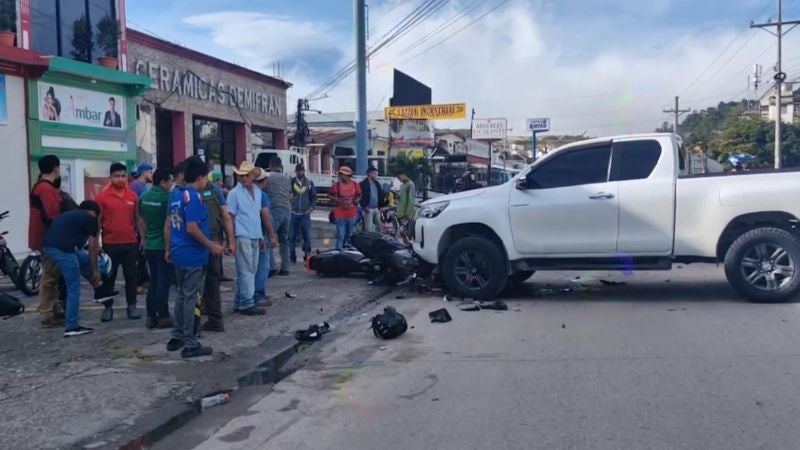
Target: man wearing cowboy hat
column 249, row 219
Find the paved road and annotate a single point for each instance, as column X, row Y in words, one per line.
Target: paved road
column 668, row 361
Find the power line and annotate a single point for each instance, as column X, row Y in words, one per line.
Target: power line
column 451, row 21
column 422, row 12
column 458, row 31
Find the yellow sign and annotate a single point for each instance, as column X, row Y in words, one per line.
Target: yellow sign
column 415, row 153
column 427, row 112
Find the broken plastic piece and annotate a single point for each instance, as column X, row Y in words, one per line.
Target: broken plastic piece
column 440, row 316
column 469, row 307
column 496, row 305
column 612, row 283
column 289, row 295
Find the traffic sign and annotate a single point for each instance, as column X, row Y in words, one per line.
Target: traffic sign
column 538, row 125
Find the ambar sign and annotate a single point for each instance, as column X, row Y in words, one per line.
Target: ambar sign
column 427, row 112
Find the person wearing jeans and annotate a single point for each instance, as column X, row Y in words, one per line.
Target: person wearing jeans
column 70, row 231
column 304, row 200
column 187, row 238
column 153, row 205
column 264, row 254
column 346, row 195
column 372, row 199
column 279, row 189
column 249, row 218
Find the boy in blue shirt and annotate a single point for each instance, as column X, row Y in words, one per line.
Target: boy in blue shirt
column 187, row 234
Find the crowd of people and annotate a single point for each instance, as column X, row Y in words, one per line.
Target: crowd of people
column 175, row 226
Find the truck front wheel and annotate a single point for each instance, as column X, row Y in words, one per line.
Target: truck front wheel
column 474, row 267
column 763, row 264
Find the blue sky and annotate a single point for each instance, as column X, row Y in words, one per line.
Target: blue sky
column 607, row 66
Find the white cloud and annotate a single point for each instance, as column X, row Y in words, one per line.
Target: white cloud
column 515, row 63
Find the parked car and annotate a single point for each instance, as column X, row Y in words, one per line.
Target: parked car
column 625, row 202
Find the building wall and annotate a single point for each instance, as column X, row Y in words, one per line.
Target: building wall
column 199, row 89
column 14, row 169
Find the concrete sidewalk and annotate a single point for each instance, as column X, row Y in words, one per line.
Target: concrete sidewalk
column 119, row 385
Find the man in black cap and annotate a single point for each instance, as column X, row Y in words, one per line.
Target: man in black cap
column 304, row 200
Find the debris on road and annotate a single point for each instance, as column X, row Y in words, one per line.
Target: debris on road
column 563, row 326
column 498, row 305
column 389, row 325
column 214, row 400
column 469, row 307
column 440, row 316
column 612, row 283
column 289, row 295
column 313, row 333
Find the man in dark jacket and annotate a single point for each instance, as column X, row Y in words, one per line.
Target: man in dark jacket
column 371, row 199
column 304, row 200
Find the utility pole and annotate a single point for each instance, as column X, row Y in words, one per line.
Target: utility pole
column 361, row 90
column 678, row 112
column 780, row 76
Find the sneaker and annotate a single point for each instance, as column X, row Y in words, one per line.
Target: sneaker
column 197, row 351
column 174, row 345
column 252, row 311
column 165, row 323
column 141, row 290
column 283, row 273
column 103, row 295
column 72, row 332
column 214, row 327
column 108, row 314
column 133, row 312
column 151, row 323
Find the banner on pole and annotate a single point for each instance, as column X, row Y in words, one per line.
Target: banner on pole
column 427, row 112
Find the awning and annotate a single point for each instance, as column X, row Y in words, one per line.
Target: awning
column 32, row 62
column 138, row 83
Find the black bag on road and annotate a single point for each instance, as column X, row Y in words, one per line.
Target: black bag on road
column 390, row 324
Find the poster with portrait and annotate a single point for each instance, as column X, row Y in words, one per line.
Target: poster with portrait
column 76, row 106
column 3, row 101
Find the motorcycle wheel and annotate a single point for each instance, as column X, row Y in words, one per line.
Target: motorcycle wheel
column 30, row 275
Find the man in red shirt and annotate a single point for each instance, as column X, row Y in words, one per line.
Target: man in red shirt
column 45, row 207
column 346, row 195
column 119, row 223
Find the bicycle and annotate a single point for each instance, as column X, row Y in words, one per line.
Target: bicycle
column 26, row 277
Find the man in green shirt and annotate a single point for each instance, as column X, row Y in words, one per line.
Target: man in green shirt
column 153, row 205
column 405, row 202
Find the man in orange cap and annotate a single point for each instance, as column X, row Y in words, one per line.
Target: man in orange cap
column 346, row 195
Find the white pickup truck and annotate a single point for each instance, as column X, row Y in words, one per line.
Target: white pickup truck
column 619, row 203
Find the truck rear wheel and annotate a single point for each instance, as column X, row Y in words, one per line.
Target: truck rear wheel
column 474, row 267
column 763, row 264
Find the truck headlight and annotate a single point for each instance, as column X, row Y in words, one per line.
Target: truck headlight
column 432, row 210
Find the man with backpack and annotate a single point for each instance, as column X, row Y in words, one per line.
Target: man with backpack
column 346, row 195
column 45, row 203
column 304, row 200
column 219, row 221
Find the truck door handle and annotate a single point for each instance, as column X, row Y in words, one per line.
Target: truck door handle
column 601, row 195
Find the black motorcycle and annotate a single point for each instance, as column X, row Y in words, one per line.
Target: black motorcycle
column 376, row 255
column 26, row 277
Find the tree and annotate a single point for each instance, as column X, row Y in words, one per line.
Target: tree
column 8, row 15
column 418, row 169
column 81, row 39
column 755, row 136
column 107, row 38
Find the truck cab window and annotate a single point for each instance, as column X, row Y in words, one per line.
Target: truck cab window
column 573, row 168
column 634, row 160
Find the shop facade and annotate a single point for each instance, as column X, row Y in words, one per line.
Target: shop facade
column 86, row 115
column 200, row 105
column 17, row 67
